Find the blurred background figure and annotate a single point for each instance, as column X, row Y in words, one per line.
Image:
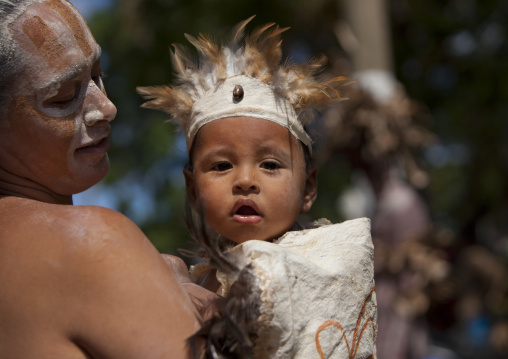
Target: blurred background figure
column 420, row 147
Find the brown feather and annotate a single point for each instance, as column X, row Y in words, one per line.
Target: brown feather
column 179, row 60
column 164, row 98
column 258, row 32
column 209, row 48
column 238, row 31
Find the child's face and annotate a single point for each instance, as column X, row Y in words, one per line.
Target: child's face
column 249, row 178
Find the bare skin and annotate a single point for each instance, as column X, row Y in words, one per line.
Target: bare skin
column 77, row 281
column 75, row 290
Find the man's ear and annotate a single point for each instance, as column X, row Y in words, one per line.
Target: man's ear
column 310, row 193
column 190, row 187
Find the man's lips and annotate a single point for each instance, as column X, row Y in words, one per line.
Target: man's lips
column 245, row 211
column 95, row 147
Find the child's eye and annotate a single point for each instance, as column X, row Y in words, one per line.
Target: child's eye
column 222, row 166
column 270, row 165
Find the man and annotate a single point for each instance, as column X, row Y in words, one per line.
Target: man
column 77, row 282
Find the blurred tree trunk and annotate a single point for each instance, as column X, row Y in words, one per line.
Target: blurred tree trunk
column 400, row 214
column 369, row 23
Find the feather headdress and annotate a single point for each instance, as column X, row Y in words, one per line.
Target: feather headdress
column 242, row 80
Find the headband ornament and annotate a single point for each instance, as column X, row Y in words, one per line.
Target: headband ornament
column 235, row 80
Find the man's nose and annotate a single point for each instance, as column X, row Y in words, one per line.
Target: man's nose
column 98, row 107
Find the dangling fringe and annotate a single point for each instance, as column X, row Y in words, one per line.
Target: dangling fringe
column 210, row 242
column 231, row 333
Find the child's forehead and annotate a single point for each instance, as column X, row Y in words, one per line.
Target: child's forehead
column 245, row 135
column 245, row 128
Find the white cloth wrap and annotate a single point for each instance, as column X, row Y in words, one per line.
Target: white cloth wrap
column 259, row 101
column 313, row 282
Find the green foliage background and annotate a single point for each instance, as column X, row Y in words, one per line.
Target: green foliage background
column 450, row 54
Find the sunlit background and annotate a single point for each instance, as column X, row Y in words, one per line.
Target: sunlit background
column 420, row 146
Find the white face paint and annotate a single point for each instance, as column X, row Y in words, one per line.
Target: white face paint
column 58, row 119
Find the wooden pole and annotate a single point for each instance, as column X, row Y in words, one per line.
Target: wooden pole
column 369, row 22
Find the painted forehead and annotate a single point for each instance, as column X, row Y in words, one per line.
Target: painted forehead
column 54, row 26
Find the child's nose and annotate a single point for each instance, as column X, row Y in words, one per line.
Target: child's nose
column 246, row 181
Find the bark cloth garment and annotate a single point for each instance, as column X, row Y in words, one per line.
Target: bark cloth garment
column 317, row 293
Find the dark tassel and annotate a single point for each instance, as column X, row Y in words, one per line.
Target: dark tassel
column 231, row 333
column 210, row 242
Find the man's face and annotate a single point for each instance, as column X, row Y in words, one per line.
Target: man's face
column 56, row 129
column 249, row 178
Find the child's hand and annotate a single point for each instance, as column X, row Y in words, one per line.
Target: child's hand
column 207, row 303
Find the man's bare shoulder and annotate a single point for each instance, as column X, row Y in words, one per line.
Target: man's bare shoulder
column 64, row 242
column 88, row 275
column 29, row 222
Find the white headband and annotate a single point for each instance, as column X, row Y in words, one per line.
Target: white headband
column 240, row 96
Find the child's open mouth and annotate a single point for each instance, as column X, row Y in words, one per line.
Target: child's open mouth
column 246, row 212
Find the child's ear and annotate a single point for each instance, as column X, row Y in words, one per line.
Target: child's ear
column 190, row 187
column 310, row 193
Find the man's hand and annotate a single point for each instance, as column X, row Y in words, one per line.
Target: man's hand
column 207, row 303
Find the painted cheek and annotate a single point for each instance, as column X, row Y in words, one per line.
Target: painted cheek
column 23, row 109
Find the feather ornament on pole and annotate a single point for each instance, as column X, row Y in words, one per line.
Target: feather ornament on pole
column 282, row 92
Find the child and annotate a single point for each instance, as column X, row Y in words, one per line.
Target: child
column 249, row 177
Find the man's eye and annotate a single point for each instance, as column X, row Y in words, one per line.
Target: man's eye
column 222, row 166
column 270, row 165
column 98, row 80
column 67, row 95
column 64, row 101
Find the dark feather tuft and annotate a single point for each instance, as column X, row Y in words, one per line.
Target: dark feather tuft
column 231, row 335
